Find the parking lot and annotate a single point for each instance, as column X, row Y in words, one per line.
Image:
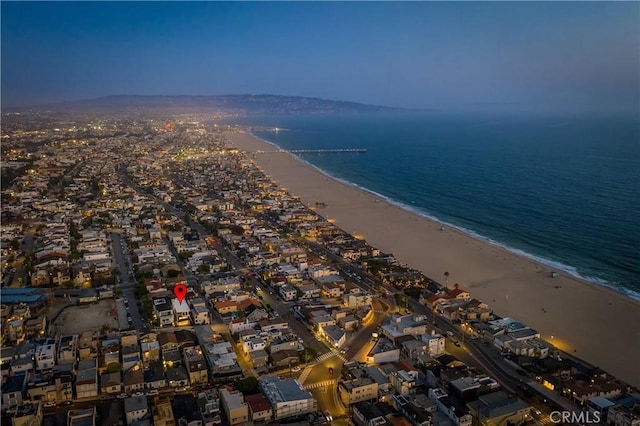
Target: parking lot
column 90, row 317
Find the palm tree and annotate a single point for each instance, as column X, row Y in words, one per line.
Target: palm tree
column 446, row 279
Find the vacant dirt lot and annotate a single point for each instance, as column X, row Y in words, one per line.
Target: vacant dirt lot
column 76, row 319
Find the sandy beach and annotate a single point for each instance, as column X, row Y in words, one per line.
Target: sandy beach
column 590, row 321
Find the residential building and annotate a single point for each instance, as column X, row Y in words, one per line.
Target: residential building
column 13, row 390
column 82, row 417
column 288, row 292
column 87, row 379
column 287, row 397
column 404, row 382
column 110, row 383
column 259, row 407
column 334, row 335
column 46, row 355
column 163, row 311
column 234, row 406
column 196, row 365
column 383, row 351
column 358, row 299
column 435, row 343
column 357, row 390
column 496, row 409
column 136, row 409
column 28, row 414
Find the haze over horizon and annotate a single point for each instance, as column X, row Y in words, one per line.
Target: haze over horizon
column 569, row 56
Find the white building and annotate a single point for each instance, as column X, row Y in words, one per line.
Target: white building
column 46, row 355
column 435, row 343
column 288, row 292
column 182, row 312
column 235, row 407
column 356, row 300
column 200, row 315
column 135, row 408
column 287, row 397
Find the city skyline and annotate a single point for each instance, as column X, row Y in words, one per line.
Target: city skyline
column 452, row 56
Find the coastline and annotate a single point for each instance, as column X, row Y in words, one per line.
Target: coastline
column 591, row 321
column 553, row 265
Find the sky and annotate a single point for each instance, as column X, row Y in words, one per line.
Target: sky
column 445, row 55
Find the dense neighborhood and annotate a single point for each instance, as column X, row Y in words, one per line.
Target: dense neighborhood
column 287, row 319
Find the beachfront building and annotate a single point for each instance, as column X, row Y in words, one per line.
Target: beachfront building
column 357, row 299
column 435, row 343
column 403, row 325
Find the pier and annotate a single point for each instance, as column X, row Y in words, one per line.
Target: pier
column 315, row 151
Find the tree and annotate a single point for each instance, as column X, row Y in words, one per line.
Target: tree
column 247, row 386
column 184, row 255
column 308, row 355
column 237, row 230
column 113, row 367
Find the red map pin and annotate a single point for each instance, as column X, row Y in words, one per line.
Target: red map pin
column 180, row 291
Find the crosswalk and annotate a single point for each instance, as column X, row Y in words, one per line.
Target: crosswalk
column 325, row 356
column 322, row 384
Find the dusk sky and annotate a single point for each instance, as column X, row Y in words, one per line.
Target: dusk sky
column 459, row 56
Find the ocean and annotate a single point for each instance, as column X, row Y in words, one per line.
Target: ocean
column 563, row 191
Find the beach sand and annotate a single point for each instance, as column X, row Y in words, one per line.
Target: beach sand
column 592, row 322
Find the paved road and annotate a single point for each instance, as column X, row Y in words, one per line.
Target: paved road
column 125, row 283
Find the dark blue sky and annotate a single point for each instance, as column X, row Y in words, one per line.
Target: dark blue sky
column 539, row 55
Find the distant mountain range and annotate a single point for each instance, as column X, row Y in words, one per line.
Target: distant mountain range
column 243, row 104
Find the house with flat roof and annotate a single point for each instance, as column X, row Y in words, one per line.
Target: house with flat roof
column 366, row 413
column 287, row 397
column 498, row 408
column 234, row 406
column 402, row 325
column 82, row 417
column 334, row 334
column 383, row 351
column 195, row 365
column 435, row 343
column 163, row 310
column 358, row 390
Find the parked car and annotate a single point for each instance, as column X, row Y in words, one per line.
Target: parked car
column 138, row 394
column 64, row 403
column 152, row 392
column 49, row 404
column 295, row 369
column 123, row 396
column 449, row 333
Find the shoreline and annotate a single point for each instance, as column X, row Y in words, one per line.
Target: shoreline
column 554, row 266
column 588, row 320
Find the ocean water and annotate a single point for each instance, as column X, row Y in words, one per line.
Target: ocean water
column 565, row 191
